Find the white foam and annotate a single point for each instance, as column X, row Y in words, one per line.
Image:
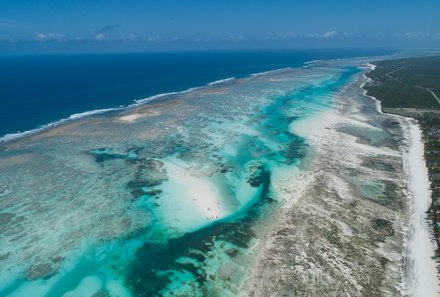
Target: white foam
column 154, row 97
column 313, row 62
column 75, row 116
column 89, row 113
column 151, row 98
column 270, row 72
column 220, row 81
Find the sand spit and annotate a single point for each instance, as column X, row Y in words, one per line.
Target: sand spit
column 133, row 117
column 341, row 231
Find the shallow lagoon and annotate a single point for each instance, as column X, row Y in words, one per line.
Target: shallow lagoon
column 158, row 198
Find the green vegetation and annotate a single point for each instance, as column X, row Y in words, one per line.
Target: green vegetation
column 403, row 86
column 431, row 130
column 405, row 83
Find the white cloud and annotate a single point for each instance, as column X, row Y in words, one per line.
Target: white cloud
column 49, row 36
column 109, row 29
column 100, row 36
column 329, row 34
column 291, row 35
column 153, row 38
column 106, row 32
column 410, row 35
column 323, row 35
column 287, row 35
column 234, row 37
column 419, row 35
column 40, row 36
column 130, row 37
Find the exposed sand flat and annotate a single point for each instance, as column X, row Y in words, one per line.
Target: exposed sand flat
column 314, row 126
column 130, row 118
column 196, row 191
column 360, row 121
column 375, row 150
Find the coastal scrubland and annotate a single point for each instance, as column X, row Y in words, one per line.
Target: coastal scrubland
column 406, row 83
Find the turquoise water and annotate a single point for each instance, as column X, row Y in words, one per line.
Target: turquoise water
column 161, row 198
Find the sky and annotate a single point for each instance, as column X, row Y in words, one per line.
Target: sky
column 134, row 25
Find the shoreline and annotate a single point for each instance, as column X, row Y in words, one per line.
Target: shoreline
column 420, row 246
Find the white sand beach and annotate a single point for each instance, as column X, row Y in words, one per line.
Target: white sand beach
column 421, row 279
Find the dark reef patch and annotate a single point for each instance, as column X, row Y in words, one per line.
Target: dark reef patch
column 149, row 273
column 379, row 164
column 41, row 270
column 258, row 174
column 296, row 149
column 149, row 173
column 383, row 228
column 105, row 154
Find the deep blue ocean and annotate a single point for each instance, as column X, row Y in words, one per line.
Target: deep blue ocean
column 39, row 89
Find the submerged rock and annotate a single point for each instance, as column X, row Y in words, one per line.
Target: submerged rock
column 296, row 149
column 104, row 154
column 257, row 173
column 151, row 170
column 153, row 164
column 137, row 193
column 231, row 252
column 155, row 192
column 149, row 173
column 143, row 183
column 41, row 270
